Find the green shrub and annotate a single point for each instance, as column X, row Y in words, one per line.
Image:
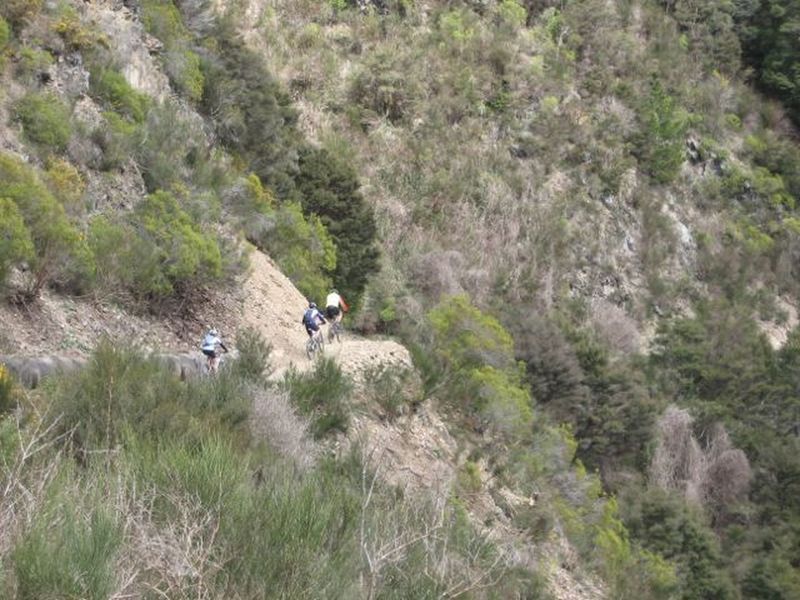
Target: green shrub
column 67, row 554
column 392, row 387
column 501, row 402
column 468, row 479
column 183, row 68
column 158, row 252
column 466, row 338
column 67, row 185
column 458, row 26
column 253, row 362
column 253, row 116
column 17, row 12
column 32, row 62
column 76, row 34
column 322, row 394
column 120, row 392
column 9, row 395
column 171, row 150
column 382, row 87
column 177, row 255
column 660, row 145
column 768, row 34
column 45, row 120
column 5, row 36
column 301, row 246
column 772, row 576
column 330, row 189
column 512, row 12
column 163, row 20
column 113, row 245
column 117, row 138
column 666, row 526
column 303, row 249
column 16, row 246
column 62, row 256
column 631, row 572
column 112, row 87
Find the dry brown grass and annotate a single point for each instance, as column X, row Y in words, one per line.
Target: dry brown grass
column 275, row 421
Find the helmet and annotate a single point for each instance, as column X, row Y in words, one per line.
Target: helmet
column 312, row 305
column 213, row 332
column 334, row 291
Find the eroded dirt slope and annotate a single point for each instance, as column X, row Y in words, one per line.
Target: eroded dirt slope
column 265, row 299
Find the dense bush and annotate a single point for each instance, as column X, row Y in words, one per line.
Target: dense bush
column 117, row 138
column 78, row 561
column 5, row 36
column 112, row 87
column 32, row 62
column 665, row 525
column 163, row 20
column 61, row 254
column 323, row 395
column 45, row 120
column 16, row 246
column 77, row 35
column 17, row 12
column 9, row 392
column 382, row 88
column 155, row 253
column 393, row 388
column 605, row 401
column 660, row 144
column 177, row 254
column 67, row 185
column 329, row 188
column 252, row 114
column 768, row 33
column 300, row 245
column 171, row 148
column 120, row 391
column 253, row 362
column 467, row 338
column 480, row 377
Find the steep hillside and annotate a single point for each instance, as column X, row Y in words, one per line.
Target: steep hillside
column 577, row 216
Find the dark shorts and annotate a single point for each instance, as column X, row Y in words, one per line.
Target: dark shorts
column 211, row 353
column 332, row 312
column 311, row 328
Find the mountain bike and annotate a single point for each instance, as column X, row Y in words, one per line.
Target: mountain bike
column 208, row 371
column 334, row 331
column 315, row 344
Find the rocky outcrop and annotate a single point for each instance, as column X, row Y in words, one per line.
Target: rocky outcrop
column 31, row 370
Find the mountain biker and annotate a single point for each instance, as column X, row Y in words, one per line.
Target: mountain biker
column 210, row 347
column 312, row 319
column 334, row 306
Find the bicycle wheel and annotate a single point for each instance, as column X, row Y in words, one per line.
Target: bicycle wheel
column 311, row 347
column 321, row 341
column 334, row 332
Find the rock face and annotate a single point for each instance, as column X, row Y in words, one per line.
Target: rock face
column 31, row 370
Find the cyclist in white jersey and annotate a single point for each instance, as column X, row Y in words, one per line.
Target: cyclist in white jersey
column 334, row 306
column 210, row 347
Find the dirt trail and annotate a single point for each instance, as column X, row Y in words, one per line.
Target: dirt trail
column 271, row 304
column 265, row 299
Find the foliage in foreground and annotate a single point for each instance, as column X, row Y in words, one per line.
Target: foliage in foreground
column 137, row 483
